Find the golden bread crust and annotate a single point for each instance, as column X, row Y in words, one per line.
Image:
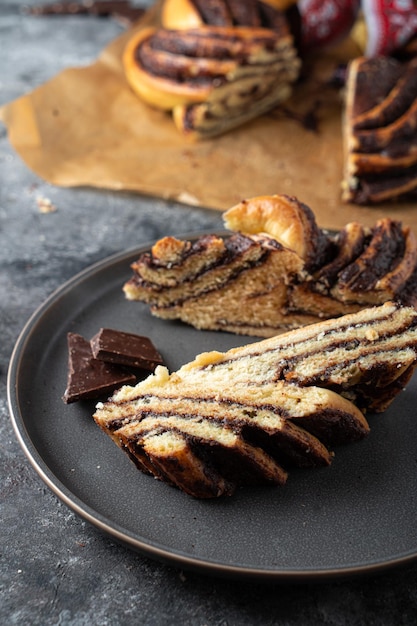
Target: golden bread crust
column 280, row 5
column 279, row 216
column 184, row 14
column 157, row 91
column 180, row 14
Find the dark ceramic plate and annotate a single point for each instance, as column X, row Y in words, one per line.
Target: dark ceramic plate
column 358, row 516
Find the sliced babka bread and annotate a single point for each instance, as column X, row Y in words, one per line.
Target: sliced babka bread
column 278, row 270
column 366, row 356
column 240, row 437
column 380, row 130
column 250, row 414
column 214, row 65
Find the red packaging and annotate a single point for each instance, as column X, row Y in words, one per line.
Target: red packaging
column 390, row 25
column 325, row 22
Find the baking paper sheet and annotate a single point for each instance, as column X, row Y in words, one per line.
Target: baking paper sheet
column 86, row 127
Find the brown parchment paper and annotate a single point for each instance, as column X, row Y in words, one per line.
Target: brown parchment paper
column 86, row 127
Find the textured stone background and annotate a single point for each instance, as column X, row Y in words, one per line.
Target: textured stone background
column 54, row 567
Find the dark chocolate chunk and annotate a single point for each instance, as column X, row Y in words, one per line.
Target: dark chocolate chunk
column 88, row 377
column 115, row 346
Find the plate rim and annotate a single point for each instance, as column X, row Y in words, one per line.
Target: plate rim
column 112, row 529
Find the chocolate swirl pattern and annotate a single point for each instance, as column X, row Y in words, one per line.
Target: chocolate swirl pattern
column 216, row 75
column 380, row 130
column 250, row 415
column 279, row 271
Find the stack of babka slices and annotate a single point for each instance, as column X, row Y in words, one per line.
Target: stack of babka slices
column 380, row 130
column 247, row 416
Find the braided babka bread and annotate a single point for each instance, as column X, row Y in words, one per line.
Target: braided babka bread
column 256, row 13
column 249, row 415
column 278, row 271
column 380, row 130
column 234, row 63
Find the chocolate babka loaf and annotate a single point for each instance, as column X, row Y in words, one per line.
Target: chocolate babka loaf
column 380, row 130
column 271, row 14
column 214, row 65
column 278, row 271
column 249, row 415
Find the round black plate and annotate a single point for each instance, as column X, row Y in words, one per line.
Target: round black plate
column 358, row 516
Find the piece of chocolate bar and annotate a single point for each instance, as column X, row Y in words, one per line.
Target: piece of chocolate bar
column 88, row 377
column 115, row 346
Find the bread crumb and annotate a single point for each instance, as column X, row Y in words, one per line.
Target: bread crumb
column 45, row 205
column 371, row 334
column 188, row 198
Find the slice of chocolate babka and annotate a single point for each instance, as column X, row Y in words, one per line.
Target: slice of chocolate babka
column 365, row 356
column 279, row 271
column 249, row 415
column 380, row 130
column 237, row 437
column 214, row 65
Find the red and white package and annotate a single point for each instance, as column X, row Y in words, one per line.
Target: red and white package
column 390, row 25
column 326, row 22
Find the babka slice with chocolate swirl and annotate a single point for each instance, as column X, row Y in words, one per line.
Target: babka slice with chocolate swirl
column 249, row 415
column 371, row 266
column 238, row 437
column 279, row 271
column 244, row 291
column 380, row 130
column 240, row 283
column 366, row 356
column 207, row 440
column 212, row 78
